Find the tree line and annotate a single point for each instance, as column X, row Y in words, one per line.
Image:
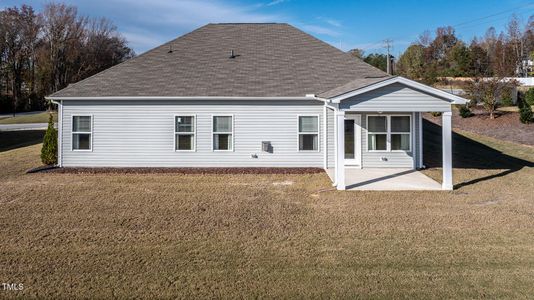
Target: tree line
column 443, row 54
column 43, row 52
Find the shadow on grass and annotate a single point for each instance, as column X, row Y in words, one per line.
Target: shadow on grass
column 15, row 139
column 468, row 154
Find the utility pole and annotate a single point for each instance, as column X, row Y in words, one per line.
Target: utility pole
column 388, row 45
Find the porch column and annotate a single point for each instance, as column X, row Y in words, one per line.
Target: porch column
column 340, row 163
column 446, row 125
column 420, row 140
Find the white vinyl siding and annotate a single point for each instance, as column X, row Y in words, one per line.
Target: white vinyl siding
column 394, row 98
column 140, row 134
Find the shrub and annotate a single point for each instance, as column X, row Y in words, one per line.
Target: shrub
column 525, row 113
column 435, row 114
column 489, row 92
column 465, row 112
column 529, row 96
column 49, row 150
column 506, row 97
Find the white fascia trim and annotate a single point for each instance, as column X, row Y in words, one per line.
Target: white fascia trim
column 414, row 84
column 308, row 97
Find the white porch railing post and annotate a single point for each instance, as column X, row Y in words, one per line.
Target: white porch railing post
column 446, row 126
column 340, row 166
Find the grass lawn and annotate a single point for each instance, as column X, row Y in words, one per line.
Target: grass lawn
column 511, row 108
column 26, row 118
column 249, row 236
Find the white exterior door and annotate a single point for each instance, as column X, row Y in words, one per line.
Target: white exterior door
column 353, row 144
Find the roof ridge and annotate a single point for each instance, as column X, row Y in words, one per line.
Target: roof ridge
column 249, row 23
column 202, row 67
column 339, row 50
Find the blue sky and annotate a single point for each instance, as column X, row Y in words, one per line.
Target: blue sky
column 344, row 24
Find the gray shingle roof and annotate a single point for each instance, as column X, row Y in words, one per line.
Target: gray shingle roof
column 273, row 60
column 352, row 86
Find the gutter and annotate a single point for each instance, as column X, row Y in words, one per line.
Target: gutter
column 307, row 97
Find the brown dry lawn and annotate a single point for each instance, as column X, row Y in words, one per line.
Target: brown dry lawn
column 250, row 236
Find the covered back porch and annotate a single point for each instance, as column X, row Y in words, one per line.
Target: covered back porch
column 378, row 140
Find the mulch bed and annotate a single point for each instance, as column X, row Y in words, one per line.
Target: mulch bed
column 68, row 170
column 506, row 126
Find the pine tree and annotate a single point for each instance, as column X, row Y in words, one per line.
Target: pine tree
column 525, row 113
column 465, row 112
column 49, row 150
column 529, row 96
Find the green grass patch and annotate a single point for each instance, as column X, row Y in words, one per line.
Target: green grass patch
column 33, row 118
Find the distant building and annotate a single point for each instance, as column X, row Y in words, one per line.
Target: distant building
column 526, row 69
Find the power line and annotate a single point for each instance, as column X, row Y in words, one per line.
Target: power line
column 466, row 24
column 490, row 21
column 493, row 15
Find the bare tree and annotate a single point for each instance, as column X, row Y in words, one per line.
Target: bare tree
column 104, row 47
column 358, row 53
column 14, row 54
column 43, row 52
column 515, row 42
column 30, row 27
column 425, row 38
column 63, row 31
column 489, row 91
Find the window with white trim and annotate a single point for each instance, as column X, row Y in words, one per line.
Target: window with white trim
column 82, row 133
column 389, row 133
column 223, row 132
column 377, row 133
column 400, row 133
column 184, row 133
column 308, row 133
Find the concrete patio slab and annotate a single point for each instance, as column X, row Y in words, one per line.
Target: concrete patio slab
column 386, row 179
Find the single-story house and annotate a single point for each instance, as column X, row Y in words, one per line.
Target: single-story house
column 249, row 95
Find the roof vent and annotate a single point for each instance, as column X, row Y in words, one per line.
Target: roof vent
column 170, row 48
column 232, row 54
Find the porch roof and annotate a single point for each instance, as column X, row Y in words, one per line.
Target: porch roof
column 361, row 86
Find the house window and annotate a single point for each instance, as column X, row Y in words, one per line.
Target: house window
column 377, row 133
column 400, row 133
column 308, row 133
column 223, row 131
column 389, row 133
column 82, row 133
column 184, row 133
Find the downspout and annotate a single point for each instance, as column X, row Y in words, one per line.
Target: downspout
column 328, row 103
column 59, row 131
column 325, row 138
